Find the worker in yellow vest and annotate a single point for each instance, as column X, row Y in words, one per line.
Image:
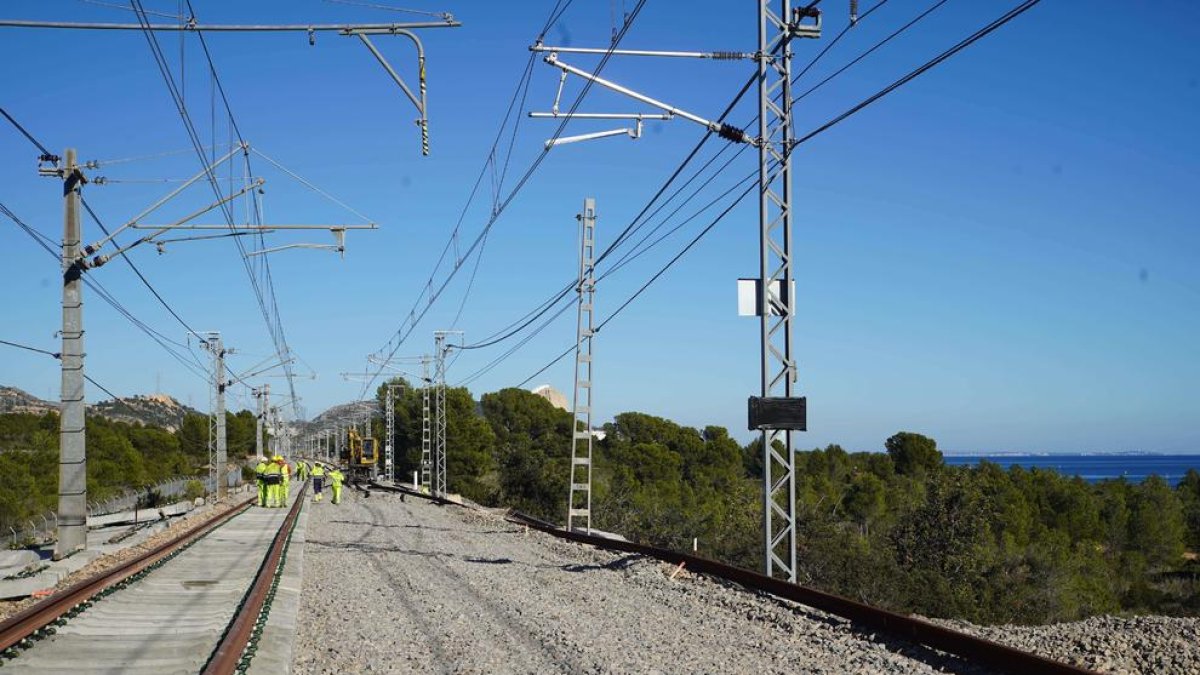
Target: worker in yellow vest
column 318, row 478
column 285, row 488
column 259, row 480
column 273, row 478
column 335, row 481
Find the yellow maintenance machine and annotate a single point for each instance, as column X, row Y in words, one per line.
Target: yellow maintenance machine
column 363, row 454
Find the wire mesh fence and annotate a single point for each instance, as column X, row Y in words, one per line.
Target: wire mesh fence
column 42, row 529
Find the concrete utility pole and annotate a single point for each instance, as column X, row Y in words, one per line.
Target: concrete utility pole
column 579, row 499
column 273, row 431
column 217, row 448
column 263, row 396
column 72, row 457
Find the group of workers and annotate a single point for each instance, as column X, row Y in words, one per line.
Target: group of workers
column 274, row 480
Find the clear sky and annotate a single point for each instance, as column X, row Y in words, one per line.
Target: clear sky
column 1002, row 254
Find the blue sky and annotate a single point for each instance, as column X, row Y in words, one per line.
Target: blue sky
column 1001, row 254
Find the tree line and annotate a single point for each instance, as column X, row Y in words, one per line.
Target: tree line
column 121, row 456
column 898, row 528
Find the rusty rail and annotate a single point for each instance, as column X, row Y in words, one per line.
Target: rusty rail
column 400, row 489
column 970, row 647
column 33, row 619
column 228, row 654
column 975, row 649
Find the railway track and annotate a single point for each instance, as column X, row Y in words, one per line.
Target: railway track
column 193, row 604
column 972, row 649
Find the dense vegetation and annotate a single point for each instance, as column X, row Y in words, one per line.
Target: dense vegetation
column 120, row 456
column 897, row 528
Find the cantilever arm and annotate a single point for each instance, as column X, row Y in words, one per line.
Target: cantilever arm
column 419, row 102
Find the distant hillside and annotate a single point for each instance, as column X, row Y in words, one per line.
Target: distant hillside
column 13, row 400
column 339, row 412
column 156, row 409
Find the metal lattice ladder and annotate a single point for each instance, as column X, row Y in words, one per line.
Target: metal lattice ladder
column 426, row 432
column 579, row 502
column 439, row 451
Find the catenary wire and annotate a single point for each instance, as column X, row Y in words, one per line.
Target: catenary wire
column 96, row 218
column 57, row 355
column 163, row 341
column 637, row 223
column 146, row 282
column 490, row 158
column 868, row 52
column 917, row 72
column 499, row 208
column 29, row 348
column 272, row 319
column 982, row 32
column 24, row 132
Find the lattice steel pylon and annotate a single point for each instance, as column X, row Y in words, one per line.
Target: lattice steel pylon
column 776, row 302
column 426, row 430
column 579, row 499
column 390, row 420
column 439, row 450
column 217, row 454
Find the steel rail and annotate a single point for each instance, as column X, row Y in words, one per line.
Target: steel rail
column 970, row 647
column 226, row 657
column 415, row 493
column 28, row 622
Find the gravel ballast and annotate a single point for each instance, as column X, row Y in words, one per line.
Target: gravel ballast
column 393, row 586
column 1109, row 644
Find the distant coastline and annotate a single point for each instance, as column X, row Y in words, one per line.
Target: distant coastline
column 1096, row 453
column 1092, row 467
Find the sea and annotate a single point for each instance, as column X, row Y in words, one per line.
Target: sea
column 1095, row 467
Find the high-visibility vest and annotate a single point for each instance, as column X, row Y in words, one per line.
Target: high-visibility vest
column 337, row 477
column 318, row 471
column 273, row 475
column 260, row 470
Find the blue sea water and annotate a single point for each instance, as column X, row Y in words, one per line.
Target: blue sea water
column 1094, row 468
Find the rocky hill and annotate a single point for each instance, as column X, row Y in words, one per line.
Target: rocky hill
column 339, row 412
column 13, row 400
column 156, row 409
